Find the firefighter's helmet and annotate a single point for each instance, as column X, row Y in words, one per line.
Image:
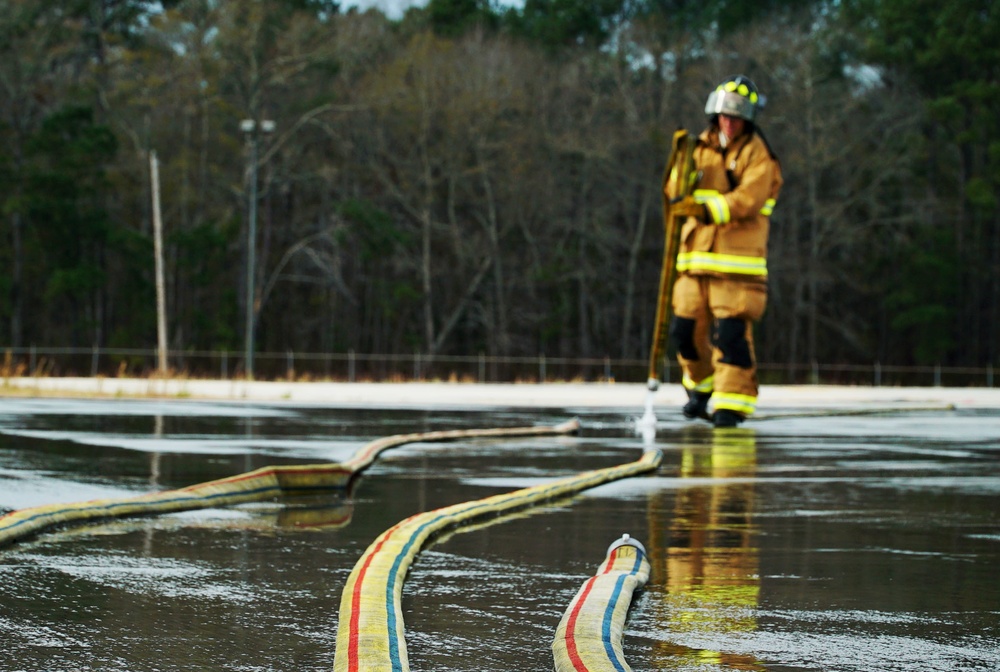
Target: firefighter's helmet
column 737, row 97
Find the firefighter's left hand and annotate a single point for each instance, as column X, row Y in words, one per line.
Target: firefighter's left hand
column 688, row 207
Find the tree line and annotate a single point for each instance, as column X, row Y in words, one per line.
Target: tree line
column 475, row 178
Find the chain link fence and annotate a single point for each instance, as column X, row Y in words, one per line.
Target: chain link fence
column 481, row 368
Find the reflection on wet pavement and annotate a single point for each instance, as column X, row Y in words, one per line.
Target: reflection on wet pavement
column 710, row 568
column 823, row 543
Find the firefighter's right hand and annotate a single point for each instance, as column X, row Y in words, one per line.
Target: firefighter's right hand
column 688, row 207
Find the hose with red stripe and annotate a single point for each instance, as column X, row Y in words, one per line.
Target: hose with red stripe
column 261, row 484
column 589, row 636
column 370, row 631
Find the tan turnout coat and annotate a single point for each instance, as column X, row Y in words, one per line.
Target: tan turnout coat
column 739, row 185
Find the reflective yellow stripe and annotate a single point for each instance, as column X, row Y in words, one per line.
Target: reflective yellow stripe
column 706, row 385
column 722, row 263
column 741, row 403
column 716, row 203
column 719, row 207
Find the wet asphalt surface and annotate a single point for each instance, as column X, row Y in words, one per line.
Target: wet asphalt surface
column 798, row 542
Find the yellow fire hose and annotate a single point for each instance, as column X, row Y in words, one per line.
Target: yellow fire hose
column 589, row 636
column 679, row 171
column 370, row 630
column 261, row 484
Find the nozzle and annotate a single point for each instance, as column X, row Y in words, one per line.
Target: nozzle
column 627, row 540
column 653, row 384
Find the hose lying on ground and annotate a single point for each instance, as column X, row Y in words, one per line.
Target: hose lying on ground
column 261, row 484
column 370, row 625
column 836, row 412
column 589, row 636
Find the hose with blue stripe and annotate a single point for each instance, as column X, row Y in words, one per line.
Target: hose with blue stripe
column 370, row 634
column 370, row 631
column 259, row 485
column 589, row 636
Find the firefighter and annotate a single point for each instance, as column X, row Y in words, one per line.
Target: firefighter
column 721, row 286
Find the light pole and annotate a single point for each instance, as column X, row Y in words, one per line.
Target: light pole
column 252, row 129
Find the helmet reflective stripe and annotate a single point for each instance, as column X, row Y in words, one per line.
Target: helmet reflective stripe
column 722, row 263
column 716, row 203
column 741, row 88
column 741, row 403
column 768, row 207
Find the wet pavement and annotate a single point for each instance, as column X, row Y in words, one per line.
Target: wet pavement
column 800, row 542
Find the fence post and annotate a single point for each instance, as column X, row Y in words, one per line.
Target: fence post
column 416, row 365
column 937, row 375
column 815, row 373
column 290, row 366
column 93, row 362
column 31, row 361
column 607, row 369
column 350, row 366
column 482, row 368
column 989, row 375
column 878, row 374
column 225, row 365
column 541, row 368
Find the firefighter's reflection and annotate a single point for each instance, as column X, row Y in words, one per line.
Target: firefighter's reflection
column 706, row 556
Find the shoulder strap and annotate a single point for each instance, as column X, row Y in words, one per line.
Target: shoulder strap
column 760, row 133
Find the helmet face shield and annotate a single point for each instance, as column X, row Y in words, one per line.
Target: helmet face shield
column 730, row 103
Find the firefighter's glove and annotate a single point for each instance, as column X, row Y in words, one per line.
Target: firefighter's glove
column 688, row 207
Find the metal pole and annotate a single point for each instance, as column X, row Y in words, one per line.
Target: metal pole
column 251, row 250
column 161, row 301
column 252, row 129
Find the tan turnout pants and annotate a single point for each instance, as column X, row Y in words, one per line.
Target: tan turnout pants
column 713, row 333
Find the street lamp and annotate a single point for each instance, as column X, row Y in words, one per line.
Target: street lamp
column 252, row 131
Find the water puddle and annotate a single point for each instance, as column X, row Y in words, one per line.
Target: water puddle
column 819, row 543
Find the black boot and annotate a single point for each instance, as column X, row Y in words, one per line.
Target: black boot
column 697, row 405
column 726, row 418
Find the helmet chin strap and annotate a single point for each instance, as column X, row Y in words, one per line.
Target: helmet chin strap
column 723, row 139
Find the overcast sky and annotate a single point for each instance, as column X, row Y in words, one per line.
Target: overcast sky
column 392, row 8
